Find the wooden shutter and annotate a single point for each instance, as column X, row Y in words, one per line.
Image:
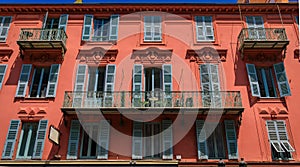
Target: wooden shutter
column 113, row 27
column 40, row 139
column 282, row 81
column 147, row 28
column 167, row 84
column 137, row 85
column 23, row 80
column 3, row 68
column 79, row 85
column 205, row 85
column 73, row 140
column 199, row 28
column 63, row 20
column 231, row 139
column 45, row 20
column 209, row 30
column 167, row 139
column 103, row 140
column 156, row 28
column 215, row 85
column 273, row 136
column 52, row 81
column 87, row 27
column 252, row 76
column 109, row 85
column 4, row 27
column 201, row 140
column 11, row 137
column 137, row 141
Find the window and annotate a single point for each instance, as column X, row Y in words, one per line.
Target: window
column 279, row 142
column 157, row 139
column 152, row 29
column 3, row 68
column 262, row 82
column 297, row 19
column 100, row 29
column 31, row 142
column 255, row 27
column 94, row 140
column 4, row 27
column 213, row 146
column 56, row 23
column 204, row 28
column 43, row 82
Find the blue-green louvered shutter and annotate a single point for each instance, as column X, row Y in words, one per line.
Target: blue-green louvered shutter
column 23, row 80
column 52, row 81
column 11, row 139
column 40, row 139
column 215, row 85
column 282, row 81
column 167, row 139
column 109, row 85
column 3, row 68
column 113, row 27
column 73, row 140
column 103, row 140
column 137, row 141
column 231, row 139
column 87, row 27
column 79, row 85
column 201, row 140
column 63, row 20
column 167, row 84
column 253, row 80
column 6, row 20
column 137, row 85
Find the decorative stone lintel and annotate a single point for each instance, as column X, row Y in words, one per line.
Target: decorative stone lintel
column 152, row 55
column 97, row 55
column 5, row 54
column 206, row 54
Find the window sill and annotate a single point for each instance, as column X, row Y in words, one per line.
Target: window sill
column 270, row 100
column 144, row 43
column 34, row 99
column 199, row 43
column 96, row 43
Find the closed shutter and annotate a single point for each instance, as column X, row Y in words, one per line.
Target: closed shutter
column 40, row 139
column 199, row 28
column 231, row 139
column 167, row 139
column 156, row 28
column 11, row 139
column 103, row 140
column 252, row 76
column 201, row 140
column 137, row 141
column 79, row 85
column 4, row 27
column 63, row 20
column 209, row 31
column 87, row 27
column 73, row 140
column 23, row 80
column 137, row 85
column 109, row 85
column 282, row 80
column 147, row 28
column 113, row 29
column 215, row 85
column 53, row 79
column 167, row 84
column 3, row 68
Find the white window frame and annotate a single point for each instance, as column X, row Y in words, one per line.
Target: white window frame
column 89, row 127
column 2, row 27
column 153, row 26
column 2, row 75
column 30, row 133
column 204, row 27
column 152, row 140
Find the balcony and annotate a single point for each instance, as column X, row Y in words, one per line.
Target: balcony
column 44, row 39
column 262, row 38
column 230, row 101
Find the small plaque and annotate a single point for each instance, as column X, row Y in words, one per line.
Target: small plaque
column 54, row 135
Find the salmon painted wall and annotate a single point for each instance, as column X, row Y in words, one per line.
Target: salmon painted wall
column 179, row 35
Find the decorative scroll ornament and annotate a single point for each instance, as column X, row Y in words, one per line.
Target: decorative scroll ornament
column 206, row 54
column 97, row 55
column 152, row 55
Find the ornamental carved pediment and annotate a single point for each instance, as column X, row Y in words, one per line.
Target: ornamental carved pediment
column 206, row 55
column 5, row 54
column 152, row 55
column 97, row 55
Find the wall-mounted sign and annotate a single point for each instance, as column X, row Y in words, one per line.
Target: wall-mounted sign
column 54, row 134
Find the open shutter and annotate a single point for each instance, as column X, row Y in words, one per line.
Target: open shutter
column 23, row 80
column 5, row 27
column 73, row 140
column 167, row 139
column 137, row 85
column 209, row 31
column 45, row 20
column 40, row 139
column 253, row 80
column 87, row 27
column 109, row 85
column 79, row 85
column 201, row 140
column 273, row 136
column 3, row 68
column 167, row 84
column 199, row 28
column 52, row 81
column 63, row 20
column 103, row 140
column 231, row 139
column 282, row 80
column 11, row 139
column 137, row 141
column 113, row 29
column 283, row 136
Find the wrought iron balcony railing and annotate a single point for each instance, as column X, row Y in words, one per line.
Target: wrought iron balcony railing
column 262, row 38
column 157, row 99
column 38, row 38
